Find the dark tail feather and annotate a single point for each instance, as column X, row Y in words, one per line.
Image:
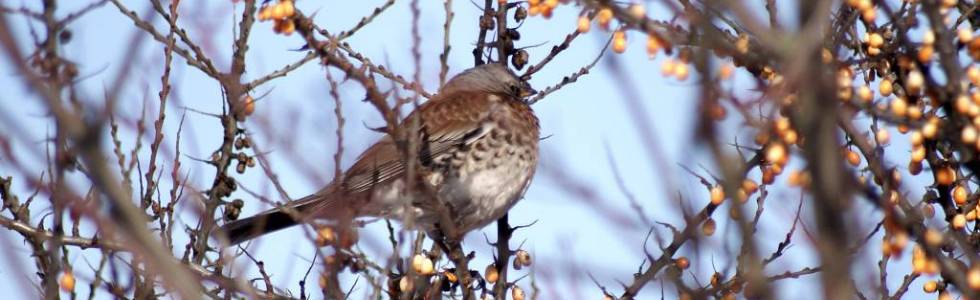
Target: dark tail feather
column 255, row 226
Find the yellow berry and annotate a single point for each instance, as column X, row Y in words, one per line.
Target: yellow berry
column 422, row 265
column 914, row 82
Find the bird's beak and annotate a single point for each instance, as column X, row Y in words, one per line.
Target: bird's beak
column 527, row 91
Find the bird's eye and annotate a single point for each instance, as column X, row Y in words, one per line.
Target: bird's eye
column 514, row 89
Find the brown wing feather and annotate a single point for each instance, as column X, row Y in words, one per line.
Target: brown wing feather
column 448, row 121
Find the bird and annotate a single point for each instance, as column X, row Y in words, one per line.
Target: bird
column 477, row 153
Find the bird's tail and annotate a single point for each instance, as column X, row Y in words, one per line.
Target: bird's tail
column 315, row 205
column 252, row 227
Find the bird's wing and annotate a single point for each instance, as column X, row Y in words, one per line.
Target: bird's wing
column 445, row 122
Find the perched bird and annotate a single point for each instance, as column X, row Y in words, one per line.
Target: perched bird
column 477, row 153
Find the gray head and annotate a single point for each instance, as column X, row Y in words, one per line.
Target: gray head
column 489, row 78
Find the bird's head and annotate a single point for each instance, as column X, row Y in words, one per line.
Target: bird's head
column 489, row 78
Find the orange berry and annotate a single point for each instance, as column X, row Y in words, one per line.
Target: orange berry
column 914, row 82
column 584, row 24
column 973, row 278
column 619, row 41
column 667, row 68
column 882, row 136
column 865, row 94
column 682, row 263
column 717, row 195
column 67, row 281
column 964, row 34
column 899, row 240
column 925, row 54
column 517, row 293
column 491, row 274
column 928, row 37
column 325, row 236
column 768, row 176
column 885, row 87
column 681, row 71
column 776, row 154
column 915, row 138
column 973, row 73
column 933, row 238
column 288, row 10
column 945, row 176
column 931, row 128
column 287, row 27
column 709, row 227
column 969, row 134
column 875, row 40
column 959, row 221
column 278, row 11
column 265, row 13
column 406, row 284
column 782, row 124
column 726, row 71
column 422, row 265
column 604, row 16
column 918, row 153
column 960, row 194
column 918, row 265
column 653, row 46
column 853, row 158
column 899, row 107
column 637, row 11
column 869, row 15
column 930, row 286
column 749, row 186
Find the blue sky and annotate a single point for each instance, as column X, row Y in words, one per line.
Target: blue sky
column 587, row 124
